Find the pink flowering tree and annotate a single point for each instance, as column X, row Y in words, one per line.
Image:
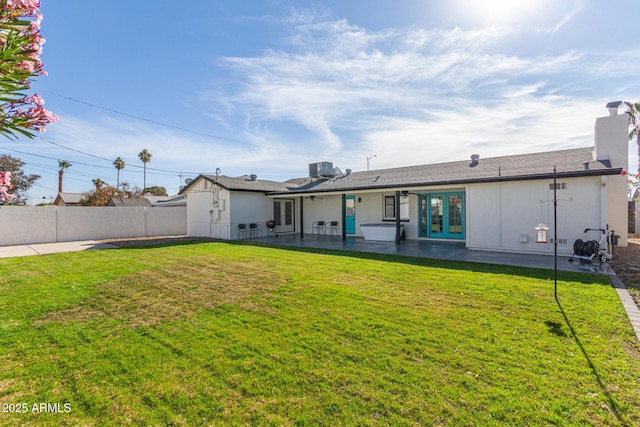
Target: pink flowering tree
column 20, row 49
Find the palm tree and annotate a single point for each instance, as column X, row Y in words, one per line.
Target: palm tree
column 634, row 122
column 62, row 164
column 119, row 164
column 98, row 182
column 145, row 157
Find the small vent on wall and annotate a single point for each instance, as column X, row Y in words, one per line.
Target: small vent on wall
column 561, row 242
column 559, row 186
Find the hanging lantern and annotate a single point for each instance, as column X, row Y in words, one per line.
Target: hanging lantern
column 542, row 233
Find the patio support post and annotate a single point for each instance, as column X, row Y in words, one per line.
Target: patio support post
column 397, row 217
column 301, row 217
column 344, row 217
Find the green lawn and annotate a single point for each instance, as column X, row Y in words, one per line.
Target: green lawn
column 233, row 334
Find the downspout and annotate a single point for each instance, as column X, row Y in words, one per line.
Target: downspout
column 397, row 218
column 344, row 217
column 301, row 217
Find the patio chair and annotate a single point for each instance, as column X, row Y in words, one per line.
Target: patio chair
column 318, row 226
column 255, row 230
column 333, row 227
column 242, row 231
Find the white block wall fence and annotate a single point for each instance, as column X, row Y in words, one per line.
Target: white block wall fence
column 22, row 225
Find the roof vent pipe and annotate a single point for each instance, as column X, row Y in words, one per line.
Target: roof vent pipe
column 253, row 177
column 348, row 171
column 475, row 159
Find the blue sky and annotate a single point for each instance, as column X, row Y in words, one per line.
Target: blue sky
column 267, row 87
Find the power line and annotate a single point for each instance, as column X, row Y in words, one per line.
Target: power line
column 180, row 128
column 111, row 160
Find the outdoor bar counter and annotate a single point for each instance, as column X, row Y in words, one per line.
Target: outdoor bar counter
column 384, row 232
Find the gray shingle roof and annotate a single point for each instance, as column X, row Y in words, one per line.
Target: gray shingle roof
column 569, row 163
column 69, row 198
column 129, row 202
column 244, row 183
column 507, row 168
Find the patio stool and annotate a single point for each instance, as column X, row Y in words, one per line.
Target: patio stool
column 318, row 226
column 243, row 231
column 333, row 226
column 255, row 229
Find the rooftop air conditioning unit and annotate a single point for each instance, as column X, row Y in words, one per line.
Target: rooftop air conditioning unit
column 321, row 169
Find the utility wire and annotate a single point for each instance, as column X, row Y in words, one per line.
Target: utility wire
column 172, row 172
column 111, row 110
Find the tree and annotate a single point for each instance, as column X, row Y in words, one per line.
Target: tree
column 20, row 49
column 98, row 183
column 156, row 191
column 100, row 196
column 62, row 164
column 119, row 165
column 634, row 123
column 145, row 157
column 634, row 185
column 21, row 182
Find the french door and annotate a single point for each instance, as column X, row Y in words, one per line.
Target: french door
column 442, row 215
column 283, row 215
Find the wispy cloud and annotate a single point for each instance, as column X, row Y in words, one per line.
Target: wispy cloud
column 399, row 91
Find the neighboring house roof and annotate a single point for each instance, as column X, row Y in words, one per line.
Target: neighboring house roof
column 155, row 199
column 129, row 202
column 173, row 201
column 569, row 163
column 243, row 183
column 67, row 199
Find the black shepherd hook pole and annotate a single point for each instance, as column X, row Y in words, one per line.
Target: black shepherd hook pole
column 555, row 230
column 555, row 236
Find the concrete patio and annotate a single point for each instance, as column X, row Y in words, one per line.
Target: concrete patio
column 437, row 250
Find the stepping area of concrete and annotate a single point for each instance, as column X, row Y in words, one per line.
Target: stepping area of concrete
column 51, row 248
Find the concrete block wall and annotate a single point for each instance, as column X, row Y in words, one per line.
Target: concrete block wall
column 48, row 224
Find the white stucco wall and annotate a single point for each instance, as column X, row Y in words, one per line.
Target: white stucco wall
column 323, row 208
column 27, row 224
column 208, row 214
column 107, row 222
column 48, row 224
column 249, row 207
column 498, row 214
column 205, row 218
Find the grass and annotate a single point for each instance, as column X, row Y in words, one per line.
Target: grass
column 232, row 334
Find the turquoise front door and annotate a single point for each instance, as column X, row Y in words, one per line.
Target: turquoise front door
column 442, row 215
column 350, row 214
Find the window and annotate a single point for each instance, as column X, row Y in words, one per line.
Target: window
column 389, row 206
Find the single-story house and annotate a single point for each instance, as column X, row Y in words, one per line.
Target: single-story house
column 68, row 199
column 488, row 203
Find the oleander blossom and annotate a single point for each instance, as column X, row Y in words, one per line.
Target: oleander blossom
column 29, row 111
column 20, row 49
